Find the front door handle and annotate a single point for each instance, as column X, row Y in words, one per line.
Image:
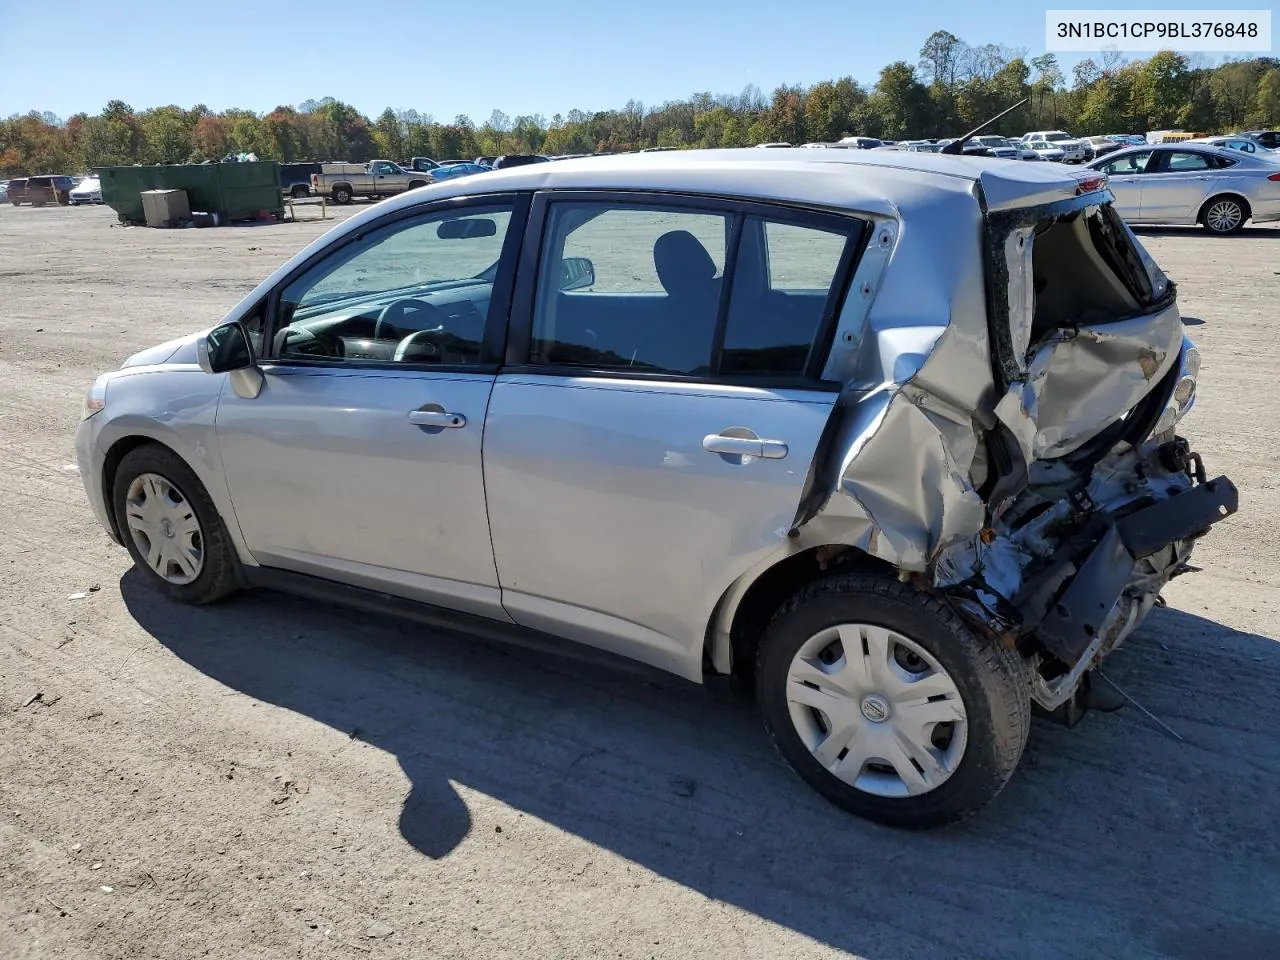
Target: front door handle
column 741, row 442
column 437, row 418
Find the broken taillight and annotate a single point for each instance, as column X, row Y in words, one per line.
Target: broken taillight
column 1089, row 182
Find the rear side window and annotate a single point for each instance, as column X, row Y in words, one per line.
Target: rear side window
column 684, row 291
column 773, row 324
column 1182, row 161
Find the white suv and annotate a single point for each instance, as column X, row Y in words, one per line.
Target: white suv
column 1073, row 148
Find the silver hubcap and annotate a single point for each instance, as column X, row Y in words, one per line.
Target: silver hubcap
column 877, row 710
column 164, row 528
column 1223, row 216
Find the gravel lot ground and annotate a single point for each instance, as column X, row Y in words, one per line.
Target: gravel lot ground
column 269, row 778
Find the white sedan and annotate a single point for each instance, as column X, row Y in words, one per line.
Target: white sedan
column 1190, row 183
column 88, row 190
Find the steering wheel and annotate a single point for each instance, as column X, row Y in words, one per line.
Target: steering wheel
column 418, row 346
column 387, row 325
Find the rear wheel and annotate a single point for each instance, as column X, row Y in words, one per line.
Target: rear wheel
column 341, row 195
column 299, row 191
column 1224, row 215
column 882, row 700
column 171, row 527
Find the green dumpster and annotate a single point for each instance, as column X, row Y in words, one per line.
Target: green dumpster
column 234, row 191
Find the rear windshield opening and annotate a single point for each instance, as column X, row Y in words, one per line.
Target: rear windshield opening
column 1085, row 271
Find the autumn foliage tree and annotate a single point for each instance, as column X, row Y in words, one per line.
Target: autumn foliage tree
column 951, row 87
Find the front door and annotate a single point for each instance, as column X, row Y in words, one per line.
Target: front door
column 360, row 459
column 1125, row 176
column 650, row 441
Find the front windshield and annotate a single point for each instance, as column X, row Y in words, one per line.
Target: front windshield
column 1056, row 137
column 407, row 259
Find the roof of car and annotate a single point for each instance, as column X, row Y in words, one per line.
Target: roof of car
column 847, row 179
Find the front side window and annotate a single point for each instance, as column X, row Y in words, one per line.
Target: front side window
column 1131, row 164
column 641, row 288
column 416, row 291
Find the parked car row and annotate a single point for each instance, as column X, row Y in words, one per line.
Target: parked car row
column 344, row 182
column 1194, row 183
column 41, row 190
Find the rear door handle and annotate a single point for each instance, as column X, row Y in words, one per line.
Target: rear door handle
column 742, row 446
column 436, row 418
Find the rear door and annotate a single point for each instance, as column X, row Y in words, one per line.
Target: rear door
column 650, row 436
column 1178, row 183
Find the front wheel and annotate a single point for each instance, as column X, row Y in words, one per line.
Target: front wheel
column 883, row 701
column 1223, row 215
column 171, row 527
column 299, row 191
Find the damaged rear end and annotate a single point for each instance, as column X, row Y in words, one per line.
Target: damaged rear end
column 1056, row 498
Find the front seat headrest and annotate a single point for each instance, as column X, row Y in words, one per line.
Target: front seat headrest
column 684, row 266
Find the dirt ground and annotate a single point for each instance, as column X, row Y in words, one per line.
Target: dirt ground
column 270, row 778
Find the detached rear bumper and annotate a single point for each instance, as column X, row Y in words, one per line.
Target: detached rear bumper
column 1088, row 615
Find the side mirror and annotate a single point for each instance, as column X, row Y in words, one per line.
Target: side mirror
column 576, row 273
column 228, row 349
column 225, row 348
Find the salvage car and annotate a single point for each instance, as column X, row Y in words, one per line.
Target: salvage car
column 343, row 182
column 1190, row 183
column 1268, row 138
column 1044, row 150
column 1073, row 148
column 1242, row 144
column 462, row 168
column 88, row 190
column 43, row 190
column 892, row 436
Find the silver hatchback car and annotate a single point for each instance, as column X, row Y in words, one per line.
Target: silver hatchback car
column 890, row 435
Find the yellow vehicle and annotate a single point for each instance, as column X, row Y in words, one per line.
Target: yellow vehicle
column 1172, row 136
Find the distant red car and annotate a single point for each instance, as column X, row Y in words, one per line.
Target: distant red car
column 45, row 189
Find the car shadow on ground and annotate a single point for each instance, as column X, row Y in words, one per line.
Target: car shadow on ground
column 1113, row 839
column 1268, row 230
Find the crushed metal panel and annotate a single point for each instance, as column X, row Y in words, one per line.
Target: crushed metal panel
column 892, row 476
column 1082, row 383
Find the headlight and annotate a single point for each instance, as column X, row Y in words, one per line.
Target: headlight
column 96, row 399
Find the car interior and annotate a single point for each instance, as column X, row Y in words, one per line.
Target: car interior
column 769, row 330
column 673, row 330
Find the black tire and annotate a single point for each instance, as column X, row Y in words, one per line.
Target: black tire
column 992, row 682
column 342, row 195
column 415, row 184
column 299, row 191
column 1224, row 200
column 217, row 577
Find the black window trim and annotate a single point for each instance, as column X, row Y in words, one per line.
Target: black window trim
column 495, row 327
column 519, row 339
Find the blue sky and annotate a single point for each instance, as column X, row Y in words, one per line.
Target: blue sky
column 446, row 57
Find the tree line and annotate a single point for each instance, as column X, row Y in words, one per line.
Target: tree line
column 953, row 87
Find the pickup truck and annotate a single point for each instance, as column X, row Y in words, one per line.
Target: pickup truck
column 342, row 182
column 295, row 178
column 420, row 164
